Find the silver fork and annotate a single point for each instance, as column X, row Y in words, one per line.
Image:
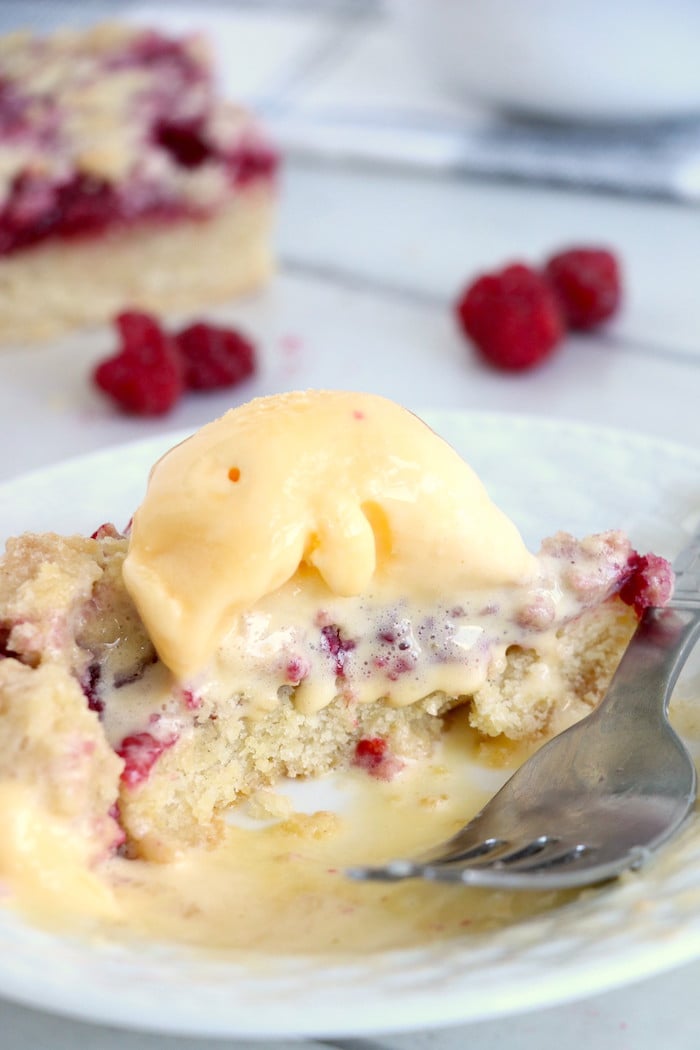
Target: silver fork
column 603, row 795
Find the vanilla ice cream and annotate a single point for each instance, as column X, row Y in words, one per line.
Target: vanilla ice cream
column 347, row 491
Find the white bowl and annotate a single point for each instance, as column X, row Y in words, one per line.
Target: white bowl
column 591, row 60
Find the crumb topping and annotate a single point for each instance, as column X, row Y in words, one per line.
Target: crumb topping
column 115, row 123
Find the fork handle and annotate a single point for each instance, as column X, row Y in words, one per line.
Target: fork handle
column 686, row 592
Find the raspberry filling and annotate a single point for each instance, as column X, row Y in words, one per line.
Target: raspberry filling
column 90, row 684
column 372, row 754
column 37, row 210
column 5, row 651
column 140, row 753
column 117, row 139
column 337, row 647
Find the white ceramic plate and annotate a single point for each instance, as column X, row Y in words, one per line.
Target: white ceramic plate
column 547, row 475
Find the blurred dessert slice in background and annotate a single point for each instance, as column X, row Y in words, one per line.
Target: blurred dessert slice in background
column 124, row 180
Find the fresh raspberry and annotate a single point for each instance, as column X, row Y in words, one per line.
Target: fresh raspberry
column 649, row 582
column 512, row 316
column 146, row 376
column 587, row 283
column 214, row 357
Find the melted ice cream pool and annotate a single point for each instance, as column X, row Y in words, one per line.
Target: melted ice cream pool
column 279, row 887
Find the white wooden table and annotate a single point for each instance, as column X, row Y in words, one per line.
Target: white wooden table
column 370, row 261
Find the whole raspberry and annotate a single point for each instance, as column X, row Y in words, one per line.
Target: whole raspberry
column 146, row 376
column 512, row 316
column 587, row 283
column 214, row 357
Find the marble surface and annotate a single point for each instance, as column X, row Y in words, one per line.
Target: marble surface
column 370, row 261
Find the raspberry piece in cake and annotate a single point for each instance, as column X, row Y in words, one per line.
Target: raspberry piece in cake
column 373, row 755
column 588, row 285
column 337, row 648
column 649, row 584
column 119, row 161
column 140, row 752
column 512, row 317
column 370, row 752
column 146, row 376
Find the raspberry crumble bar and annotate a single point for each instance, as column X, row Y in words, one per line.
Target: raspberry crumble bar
column 313, row 581
column 124, row 180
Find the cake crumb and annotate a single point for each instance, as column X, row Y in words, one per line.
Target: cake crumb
column 433, row 801
column 318, row 825
column 269, row 805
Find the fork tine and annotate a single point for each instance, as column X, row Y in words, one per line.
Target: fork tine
column 394, row 871
column 528, row 850
column 568, row 856
column 553, row 859
column 489, row 847
column 543, row 852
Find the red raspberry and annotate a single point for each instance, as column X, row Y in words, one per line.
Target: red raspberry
column 587, row 283
column 185, row 142
column 370, row 752
column 337, row 647
column 140, row 753
column 214, row 357
column 145, row 377
column 649, row 583
column 513, row 317
column 372, row 755
column 106, row 530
